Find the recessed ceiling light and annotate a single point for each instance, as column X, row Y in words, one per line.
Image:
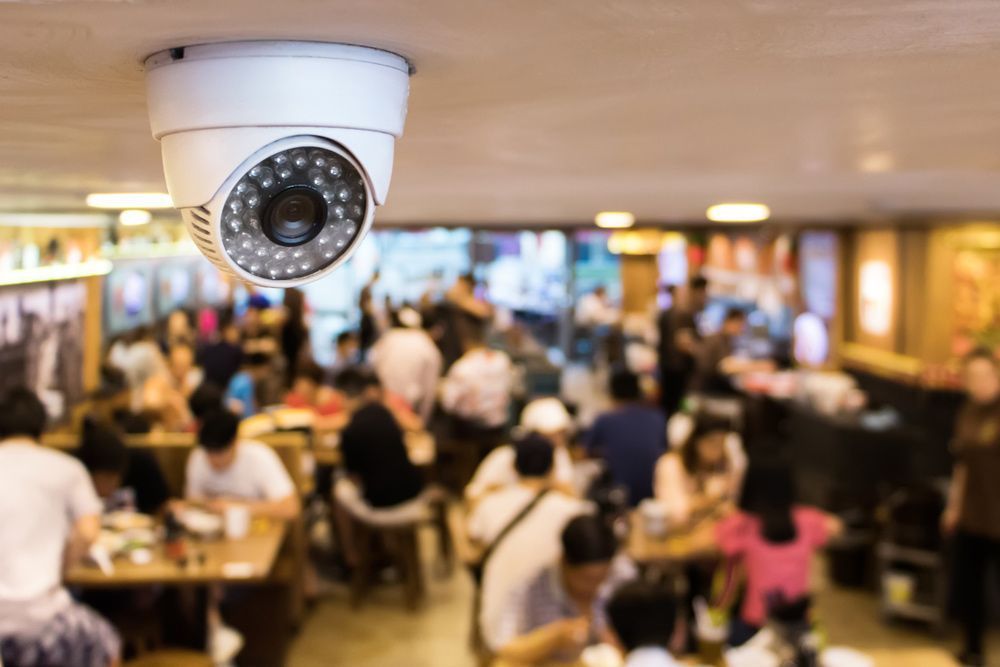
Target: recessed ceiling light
column 614, row 219
column 125, row 200
column 133, row 217
column 738, row 212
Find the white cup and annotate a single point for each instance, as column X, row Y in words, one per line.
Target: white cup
column 237, row 522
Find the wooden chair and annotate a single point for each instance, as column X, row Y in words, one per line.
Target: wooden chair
column 402, row 544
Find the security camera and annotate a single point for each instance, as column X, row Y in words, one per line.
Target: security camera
column 277, row 153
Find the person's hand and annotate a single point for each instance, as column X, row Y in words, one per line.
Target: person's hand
column 949, row 522
column 176, row 506
column 573, row 633
column 218, row 505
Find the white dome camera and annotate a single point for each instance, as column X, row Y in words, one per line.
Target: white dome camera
column 277, row 153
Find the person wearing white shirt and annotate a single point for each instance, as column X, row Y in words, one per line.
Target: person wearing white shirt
column 595, row 310
column 545, row 416
column 520, row 527
column 225, row 470
column 408, row 363
column 476, row 392
column 49, row 511
column 642, row 615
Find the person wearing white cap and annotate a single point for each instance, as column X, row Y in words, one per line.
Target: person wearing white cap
column 547, row 417
column 408, row 363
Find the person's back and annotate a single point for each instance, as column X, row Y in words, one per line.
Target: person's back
column 643, row 615
column 774, row 539
column 477, row 387
column 630, row 438
column 41, row 492
column 408, row 363
column 374, row 450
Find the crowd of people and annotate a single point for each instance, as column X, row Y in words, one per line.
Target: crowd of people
column 543, row 505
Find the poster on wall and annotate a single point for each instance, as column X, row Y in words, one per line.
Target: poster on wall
column 175, row 286
column 976, row 300
column 41, row 342
column 128, row 297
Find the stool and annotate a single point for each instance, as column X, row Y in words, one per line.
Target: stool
column 403, row 547
column 171, row 658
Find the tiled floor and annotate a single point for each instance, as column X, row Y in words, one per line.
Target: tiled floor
column 384, row 634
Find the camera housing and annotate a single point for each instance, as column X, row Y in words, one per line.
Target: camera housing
column 277, row 153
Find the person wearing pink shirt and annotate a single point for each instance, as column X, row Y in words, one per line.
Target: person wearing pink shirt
column 774, row 540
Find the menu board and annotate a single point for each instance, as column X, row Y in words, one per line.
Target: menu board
column 41, row 342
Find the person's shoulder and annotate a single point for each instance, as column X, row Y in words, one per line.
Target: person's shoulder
column 54, row 459
column 806, row 514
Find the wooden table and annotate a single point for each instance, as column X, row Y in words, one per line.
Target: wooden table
column 677, row 547
column 254, row 555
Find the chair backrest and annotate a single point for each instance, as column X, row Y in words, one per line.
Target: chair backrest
column 171, row 451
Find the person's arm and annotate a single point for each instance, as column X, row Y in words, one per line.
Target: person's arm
column 671, row 487
column 282, row 509
column 542, row 644
column 84, row 507
column 956, row 492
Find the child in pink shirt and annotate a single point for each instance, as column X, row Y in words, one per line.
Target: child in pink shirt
column 774, row 540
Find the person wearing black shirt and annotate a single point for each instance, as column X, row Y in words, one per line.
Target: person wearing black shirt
column 125, row 479
column 678, row 335
column 382, row 483
column 222, row 359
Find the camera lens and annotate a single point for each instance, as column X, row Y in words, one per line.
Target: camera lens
column 295, row 216
column 294, row 213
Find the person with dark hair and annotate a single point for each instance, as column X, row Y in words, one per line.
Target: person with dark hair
column 547, row 417
column 226, row 470
column 561, row 609
column 126, row 479
column 381, row 483
column 408, row 362
column 368, row 326
column 678, row 340
column 630, row 438
column 294, row 332
column 222, row 358
column 460, row 316
column 643, row 616
column 476, row 393
column 711, row 373
column 308, row 392
column 242, row 394
column 704, row 476
column 972, row 514
column 520, row 525
column 345, row 353
column 49, row 515
column 774, row 539
column 208, row 397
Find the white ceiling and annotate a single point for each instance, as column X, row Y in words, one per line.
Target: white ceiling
column 548, row 111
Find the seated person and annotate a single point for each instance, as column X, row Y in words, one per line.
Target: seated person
column 561, row 610
column 346, row 354
column 49, row 516
column 701, row 478
column 382, row 484
column 775, row 539
column 545, row 416
column 244, row 389
column 407, row 419
column 642, row 616
column 125, row 479
column 221, row 359
column 519, row 526
column 224, row 470
column 309, row 393
column 380, row 473
column 630, row 438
